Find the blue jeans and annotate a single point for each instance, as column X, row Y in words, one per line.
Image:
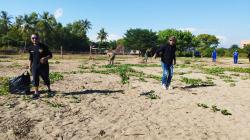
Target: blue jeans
column 235, row 59
column 168, row 72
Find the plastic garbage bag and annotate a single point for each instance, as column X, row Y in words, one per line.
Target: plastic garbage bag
column 20, row 84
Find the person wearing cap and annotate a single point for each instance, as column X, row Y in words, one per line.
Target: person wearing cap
column 39, row 55
column 236, row 56
column 168, row 58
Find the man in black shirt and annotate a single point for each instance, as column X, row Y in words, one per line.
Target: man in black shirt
column 167, row 60
column 39, row 66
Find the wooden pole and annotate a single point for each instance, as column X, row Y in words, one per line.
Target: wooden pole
column 61, row 52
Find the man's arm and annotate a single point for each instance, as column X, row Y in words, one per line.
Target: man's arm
column 30, row 58
column 48, row 54
column 174, row 59
column 158, row 51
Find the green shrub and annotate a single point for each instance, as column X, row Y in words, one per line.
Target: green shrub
column 4, row 85
column 196, row 82
column 214, row 71
column 238, row 69
column 55, row 76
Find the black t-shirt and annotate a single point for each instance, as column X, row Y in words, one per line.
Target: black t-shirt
column 167, row 54
column 37, row 52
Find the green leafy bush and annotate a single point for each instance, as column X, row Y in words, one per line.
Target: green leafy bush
column 4, row 85
column 55, row 76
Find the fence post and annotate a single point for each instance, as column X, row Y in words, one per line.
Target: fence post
column 61, row 52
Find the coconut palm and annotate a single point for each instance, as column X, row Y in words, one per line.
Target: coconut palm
column 45, row 24
column 102, row 35
column 5, row 21
column 87, row 25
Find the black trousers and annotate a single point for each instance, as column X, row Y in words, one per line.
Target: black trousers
column 42, row 71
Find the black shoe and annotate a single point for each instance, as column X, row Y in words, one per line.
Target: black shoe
column 36, row 96
column 51, row 93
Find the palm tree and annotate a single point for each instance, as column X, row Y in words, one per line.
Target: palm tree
column 102, row 35
column 5, row 21
column 27, row 25
column 18, row 22
column 86, row 25
column 45, row 24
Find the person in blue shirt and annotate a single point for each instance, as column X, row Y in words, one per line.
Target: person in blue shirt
column 214, row 55
column 235, row 55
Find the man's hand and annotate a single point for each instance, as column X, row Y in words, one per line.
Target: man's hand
column 43, row 60
column 174, row 62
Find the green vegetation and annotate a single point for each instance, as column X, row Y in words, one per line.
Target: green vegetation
column 55, row 76
column 181, row 66
column 140, row 39
column 238, row 69
column 123, row 72
column 214, row 108
column 197, row 82
column 202, row 105
column 225, row 112
column 151, row 95
column 214, row 71
column 220, row 70
column 26, row 98
column 4, row 86
column 184, row 40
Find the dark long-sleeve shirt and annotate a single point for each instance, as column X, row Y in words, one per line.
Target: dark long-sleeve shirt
column 37, row 52
column 167, row 54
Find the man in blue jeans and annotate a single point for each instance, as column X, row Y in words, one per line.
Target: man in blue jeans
column 167, row 60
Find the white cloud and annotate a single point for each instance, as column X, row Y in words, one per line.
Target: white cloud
column 223, row 40
column 191, row 29
column 58, row 13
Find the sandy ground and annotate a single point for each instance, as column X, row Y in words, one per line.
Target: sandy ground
column 97, row 106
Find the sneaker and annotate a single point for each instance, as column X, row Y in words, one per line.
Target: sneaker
column 36, row 96
column 164, row 86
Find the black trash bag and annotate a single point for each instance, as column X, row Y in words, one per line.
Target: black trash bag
column 20, row 84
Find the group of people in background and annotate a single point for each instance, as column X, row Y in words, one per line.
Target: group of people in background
column 235, row 56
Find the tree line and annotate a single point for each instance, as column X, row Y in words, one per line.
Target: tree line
column 15, row 36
